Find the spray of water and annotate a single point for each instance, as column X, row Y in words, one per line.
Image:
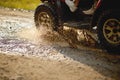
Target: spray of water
column 41, row 36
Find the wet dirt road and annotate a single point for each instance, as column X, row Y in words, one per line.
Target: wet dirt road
column 23, row 53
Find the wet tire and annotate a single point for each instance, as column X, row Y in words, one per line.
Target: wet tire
column 45, row 16
column 109, row 31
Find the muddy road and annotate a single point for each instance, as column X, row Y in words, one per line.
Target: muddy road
column 25, row 54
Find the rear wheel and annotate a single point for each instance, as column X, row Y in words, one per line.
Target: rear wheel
column 109, row 31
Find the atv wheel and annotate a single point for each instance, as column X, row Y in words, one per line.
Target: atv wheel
column 45, row 17
column 109, row 31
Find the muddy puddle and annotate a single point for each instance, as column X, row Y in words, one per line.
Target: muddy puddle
column 18, row 36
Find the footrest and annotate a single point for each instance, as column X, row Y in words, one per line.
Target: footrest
column 78, row 25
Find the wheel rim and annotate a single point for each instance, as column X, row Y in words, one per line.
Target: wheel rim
column 111, row 31
column 45, row 20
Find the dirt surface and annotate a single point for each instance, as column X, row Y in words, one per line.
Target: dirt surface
column 25, row 54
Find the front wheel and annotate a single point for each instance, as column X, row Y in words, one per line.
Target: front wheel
column 46, row 17
column 109, row 31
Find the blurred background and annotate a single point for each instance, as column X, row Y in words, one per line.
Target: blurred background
column 20, row 4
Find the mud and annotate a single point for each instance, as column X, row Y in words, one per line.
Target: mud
column 47, row 58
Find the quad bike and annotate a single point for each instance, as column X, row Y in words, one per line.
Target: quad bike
column 103, row 25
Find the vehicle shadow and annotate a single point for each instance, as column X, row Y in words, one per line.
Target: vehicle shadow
column 101, row 61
